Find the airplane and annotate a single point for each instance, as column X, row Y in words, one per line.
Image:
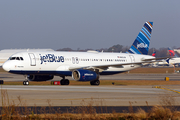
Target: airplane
column 175, row 60
column 82, row 66
column 163, row 62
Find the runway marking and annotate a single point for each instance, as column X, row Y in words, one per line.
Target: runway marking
column 159, row 87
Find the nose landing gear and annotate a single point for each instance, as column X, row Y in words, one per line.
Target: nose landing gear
column 26, row 82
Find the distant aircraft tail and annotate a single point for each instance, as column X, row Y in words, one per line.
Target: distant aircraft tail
column 171, row 52
column 154, row 54
column 141, row 43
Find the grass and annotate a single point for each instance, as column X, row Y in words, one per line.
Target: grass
column 103, row 82
column 11, row 111
column 1, row 70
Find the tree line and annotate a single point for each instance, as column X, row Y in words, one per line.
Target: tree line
column 161, row 52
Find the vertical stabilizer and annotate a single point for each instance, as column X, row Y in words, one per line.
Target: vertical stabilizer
column 141, row 43
column 171, row 52
column 154, row 54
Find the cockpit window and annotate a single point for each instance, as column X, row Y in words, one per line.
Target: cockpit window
column 16, row 58
column 12, row 58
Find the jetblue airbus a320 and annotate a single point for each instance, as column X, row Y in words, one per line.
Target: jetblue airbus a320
column 82, row 66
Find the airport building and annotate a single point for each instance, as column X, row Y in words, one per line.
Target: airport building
column 177, row 50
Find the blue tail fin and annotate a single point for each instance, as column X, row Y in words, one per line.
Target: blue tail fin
column 141, row 43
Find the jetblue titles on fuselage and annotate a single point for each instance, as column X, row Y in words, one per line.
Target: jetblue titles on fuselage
column 51, row 58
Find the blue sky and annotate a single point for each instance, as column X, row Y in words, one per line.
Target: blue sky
column 86, row 24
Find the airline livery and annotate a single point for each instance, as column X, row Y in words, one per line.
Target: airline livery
column 154, row 54
column 175, row 60
column 82, row 66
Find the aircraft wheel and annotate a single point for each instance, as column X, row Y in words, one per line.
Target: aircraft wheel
column 1, row 82
column 92, row 82
column 25, row 82
column 64, row 82
column 95, row 82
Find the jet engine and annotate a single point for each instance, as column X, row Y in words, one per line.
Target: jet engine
column 84, row 75
column 39, row 77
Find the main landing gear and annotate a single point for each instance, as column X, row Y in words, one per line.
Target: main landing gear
column 64, row 81
column 95, row 82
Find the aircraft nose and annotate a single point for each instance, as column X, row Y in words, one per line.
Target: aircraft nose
column 6, row 66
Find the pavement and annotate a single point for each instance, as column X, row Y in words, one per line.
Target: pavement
column 87, row 95
column 111, row 95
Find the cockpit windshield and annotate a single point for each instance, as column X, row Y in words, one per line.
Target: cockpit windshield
column 16, row 58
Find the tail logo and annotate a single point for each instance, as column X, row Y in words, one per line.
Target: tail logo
column 142, row 41
column 142, row 45
column 171, row 52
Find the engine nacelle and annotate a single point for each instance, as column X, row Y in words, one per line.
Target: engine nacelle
column 39, row 77
column 84, row 75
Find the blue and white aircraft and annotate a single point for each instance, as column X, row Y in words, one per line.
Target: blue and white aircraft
column 82, row 66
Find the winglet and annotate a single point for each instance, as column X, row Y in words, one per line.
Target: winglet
column 141, row 43
column 167, row 60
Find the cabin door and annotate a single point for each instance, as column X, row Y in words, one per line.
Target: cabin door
column 32, row 59
column 132, row 60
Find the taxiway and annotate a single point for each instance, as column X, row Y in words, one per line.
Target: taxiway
column 85, row 95
column 111, row 95
column 172, row 76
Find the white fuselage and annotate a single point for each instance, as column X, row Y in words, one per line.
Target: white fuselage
column 173, row 61
column 62, row 63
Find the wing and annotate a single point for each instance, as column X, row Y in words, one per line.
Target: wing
column 104, row 67
column 119, row 65
column 156, row 59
